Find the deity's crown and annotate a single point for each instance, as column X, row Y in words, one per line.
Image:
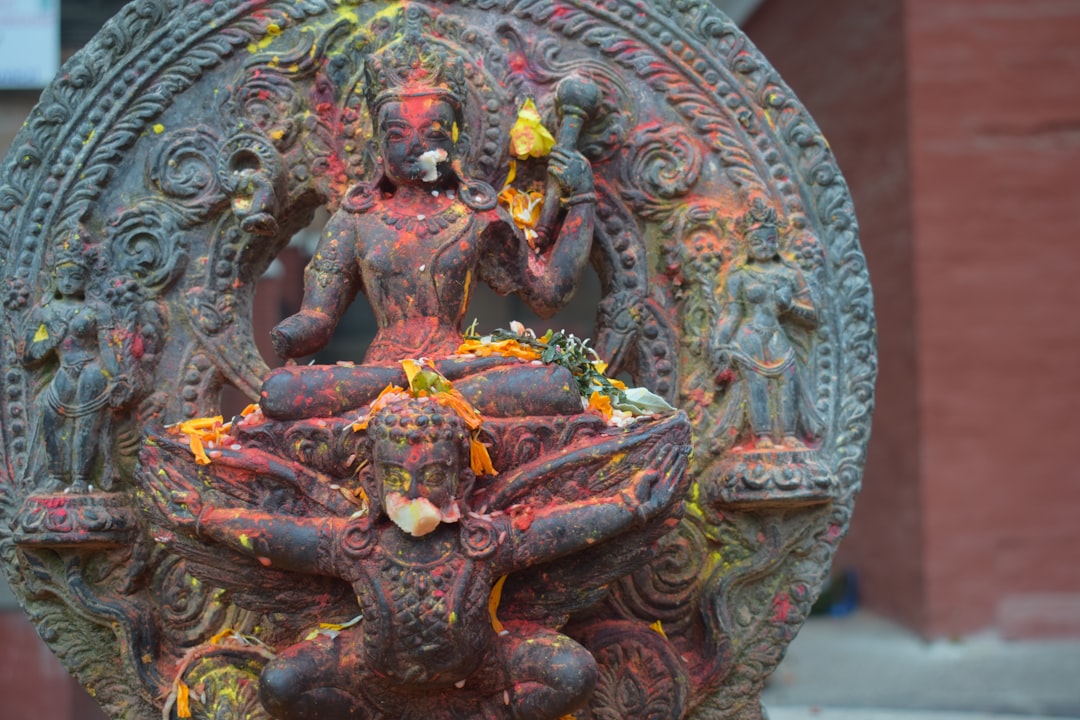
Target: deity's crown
column 417, row 420
column 760, row 215
column 414, row 66
column 73, row 249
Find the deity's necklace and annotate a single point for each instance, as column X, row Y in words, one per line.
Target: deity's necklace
column 420, row 224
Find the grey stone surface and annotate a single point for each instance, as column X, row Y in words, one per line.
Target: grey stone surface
column 815, row 713
column 866, row 662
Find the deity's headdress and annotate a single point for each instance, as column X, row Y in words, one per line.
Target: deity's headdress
column 417, row 66
column 411, row 67
column 760, row 215
column 74, row 248
column 417, row 421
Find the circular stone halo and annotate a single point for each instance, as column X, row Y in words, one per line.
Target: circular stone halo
column 700, row 90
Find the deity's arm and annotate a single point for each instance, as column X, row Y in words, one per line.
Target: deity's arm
column 42, row 335
column 331, row 281
column 557, row 530
column 109, row 341
column 554, row 532
column 802, row 306
column 728, row 311
column 297, row 544
column 549, row 272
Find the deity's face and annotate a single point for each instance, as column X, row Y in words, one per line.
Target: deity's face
column 70, row 279
column 418, row 482
column 762, row 242
column 417, row 131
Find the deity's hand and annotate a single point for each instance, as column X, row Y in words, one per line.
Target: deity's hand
column 182, row 508
column 571, row 171
column 784, row 299
column 40, row 344
column 120, row 391
column 722, row 357
column 57, row 325
column 301, row 334
column 652, row 489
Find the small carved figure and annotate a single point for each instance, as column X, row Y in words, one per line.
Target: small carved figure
column 763, row 296
column 415, row 241
column 423, row 566
column 75, row 330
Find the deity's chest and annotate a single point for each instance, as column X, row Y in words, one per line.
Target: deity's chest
column 758, row 290
column 442, row 248
column 421, row 619
column 81, row 328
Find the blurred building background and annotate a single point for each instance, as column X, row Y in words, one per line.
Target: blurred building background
column 957, row 126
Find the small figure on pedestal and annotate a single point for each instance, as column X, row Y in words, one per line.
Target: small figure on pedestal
column 74, row 330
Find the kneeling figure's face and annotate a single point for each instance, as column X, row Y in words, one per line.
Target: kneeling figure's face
column 418, row 483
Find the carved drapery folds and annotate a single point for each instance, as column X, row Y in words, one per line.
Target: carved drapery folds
column 175, row 157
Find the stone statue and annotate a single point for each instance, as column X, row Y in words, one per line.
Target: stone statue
column 415, row 239
column 76, row 330
column 763, row 296
column 423, row 589
column 481, row 523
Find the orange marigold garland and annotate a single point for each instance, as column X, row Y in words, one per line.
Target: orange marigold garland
column 610, row 398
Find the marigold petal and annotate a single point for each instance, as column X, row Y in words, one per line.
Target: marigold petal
column 457, row 402
column 480, row 459
column 183, row 706
column 197, row 449
column 528, row 136
column 600, row 404
column 493, row 603
column 218, row 637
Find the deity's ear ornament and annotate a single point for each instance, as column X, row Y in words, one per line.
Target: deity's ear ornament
column 177, row 155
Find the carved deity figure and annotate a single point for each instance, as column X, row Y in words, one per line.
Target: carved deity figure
column 423, row 565
column 415, row 241
column 765, row 301
column 75, row 331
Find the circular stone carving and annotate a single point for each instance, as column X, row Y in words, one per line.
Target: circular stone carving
column 186, row 143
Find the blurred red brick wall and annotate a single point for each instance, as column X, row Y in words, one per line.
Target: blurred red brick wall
column 995, row 147
column 845, row 61
column 957, row 125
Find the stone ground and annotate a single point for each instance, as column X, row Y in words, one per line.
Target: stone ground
column 862, row 667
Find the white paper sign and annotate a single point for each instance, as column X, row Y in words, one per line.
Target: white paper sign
column 29, row 43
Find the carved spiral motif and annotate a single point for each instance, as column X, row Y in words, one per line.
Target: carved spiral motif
column 189, row 608
column 143, row 243
column 248, row 151
column 269, row 100
column 356, row 540
column 526, row 446
column 227, row 683
column 478, row 537
column 664, row 163
column 183, row 169
column 666, row 588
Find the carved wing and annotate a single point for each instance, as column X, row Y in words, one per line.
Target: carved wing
column 252, row 480
column 592, row 466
